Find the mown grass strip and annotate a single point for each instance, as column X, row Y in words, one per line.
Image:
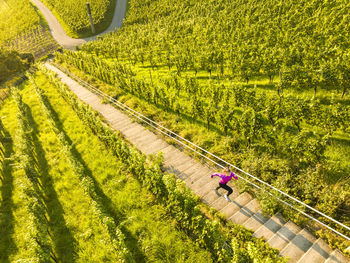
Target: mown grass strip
column 86, row 182
column 31, row 189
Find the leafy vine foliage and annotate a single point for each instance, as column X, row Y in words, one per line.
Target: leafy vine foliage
column 308, row 41
column 180, row 202
column 283, row 139
column 266, row 126
column 75, row 15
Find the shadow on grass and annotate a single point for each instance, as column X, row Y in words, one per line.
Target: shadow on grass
column 65, row 244
column 7, row 244
column 103, row 200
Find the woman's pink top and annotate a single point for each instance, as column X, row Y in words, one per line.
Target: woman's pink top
column 224, row 178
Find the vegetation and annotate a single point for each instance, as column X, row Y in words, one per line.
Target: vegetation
column 36, row 41
column 74, row 203
column 58, row 199
column 190, row 68
column 263, row 85
column 180, row 203
column 22, row 29
column 16, row 17
column 4, row 93
column 12, row 62
column 73, row 15
column 303, row 40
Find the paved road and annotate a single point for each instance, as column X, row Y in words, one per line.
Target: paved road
column 66, row 41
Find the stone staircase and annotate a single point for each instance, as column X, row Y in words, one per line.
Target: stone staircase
column 292, row 241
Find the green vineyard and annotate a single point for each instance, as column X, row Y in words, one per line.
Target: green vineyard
column 22, row 29
column 76, row 200
column 292, row 133
column 110, row 145
column 73, row 15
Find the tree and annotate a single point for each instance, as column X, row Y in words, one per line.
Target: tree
column 12, row 62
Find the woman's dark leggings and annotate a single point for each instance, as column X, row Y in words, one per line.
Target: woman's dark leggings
column 226, row 187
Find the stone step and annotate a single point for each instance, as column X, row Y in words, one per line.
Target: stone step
column 247, row 208
column 136, row 133
column 195, row 168
column 170, row 152
column 181, row 162
column 299, row 245
column 231, row 208
column 141, row 139
column 153, row 147
column 211, row 197
column 126, row 127
column 284, row 235
column 255, row 221
column 203, row 190
column 113, row 123
column 194, row 177
column 271, row 226
column 121, row 124
column 110, row 112
column 196, row 171
column 115, row 120
column 202, row 182
column 181, row 170
column 198, row 175
column 337, row 257
column 317, row 253
column 131, row 129
column 220, row 203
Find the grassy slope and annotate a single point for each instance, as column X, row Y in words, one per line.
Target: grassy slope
column 214, row 140
column 70, row 217
column 23, row 28
column 248, row 33
column 75, row 231
column 339, row 149
column 16, row 17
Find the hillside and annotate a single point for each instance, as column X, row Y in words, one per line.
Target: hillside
column 261, row 85
column 73, row 15
column 256, row 83
column 22, row 29
column 73, row 190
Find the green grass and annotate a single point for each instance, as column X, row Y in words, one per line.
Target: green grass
column 37, row 41
column 337, row 151
column 16, row 17
column 74, row 229
column 23, row 28
column 262, row 165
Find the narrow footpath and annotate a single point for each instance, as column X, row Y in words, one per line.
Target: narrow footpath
column 58, row 33
column 292, row 241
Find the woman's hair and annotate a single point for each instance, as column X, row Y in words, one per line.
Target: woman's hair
column 227, row 170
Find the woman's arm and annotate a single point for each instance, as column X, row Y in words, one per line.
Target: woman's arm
column 217, row 174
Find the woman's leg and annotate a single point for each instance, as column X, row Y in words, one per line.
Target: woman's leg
column 226, row 187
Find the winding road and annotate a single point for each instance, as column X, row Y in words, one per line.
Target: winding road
column 58, row 33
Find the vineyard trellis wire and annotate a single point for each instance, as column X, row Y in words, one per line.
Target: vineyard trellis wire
column 220, row 162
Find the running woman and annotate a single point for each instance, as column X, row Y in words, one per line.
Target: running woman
column 226, row 176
